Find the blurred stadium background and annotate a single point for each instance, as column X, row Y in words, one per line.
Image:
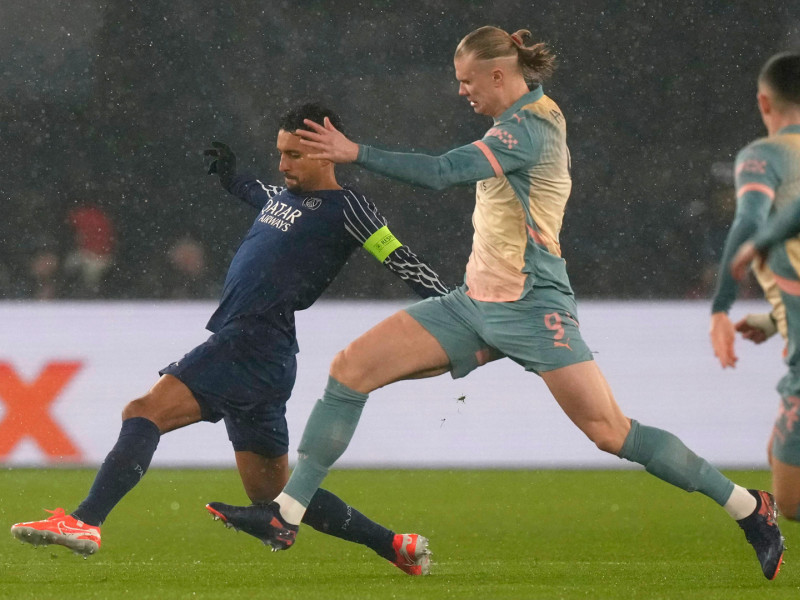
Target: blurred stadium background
column 105, row 108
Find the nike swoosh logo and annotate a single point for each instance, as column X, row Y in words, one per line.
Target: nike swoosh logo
column 75, row 532
column 404, row 550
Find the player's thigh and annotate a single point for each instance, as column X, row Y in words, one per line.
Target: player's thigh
column 263, row 477
column 541, row 333
column 396, row 348
column 458, row 323
column 584, row 395
column 169, row 404
column 237, row 371
column 786, row 487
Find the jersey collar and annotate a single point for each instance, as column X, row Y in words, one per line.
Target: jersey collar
column 535, row 94
column 790, row 129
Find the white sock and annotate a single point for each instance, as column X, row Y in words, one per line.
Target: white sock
column 291, row 510
column 741, row 504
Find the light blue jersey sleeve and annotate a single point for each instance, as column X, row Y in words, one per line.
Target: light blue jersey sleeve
column 463, row 165
column 506, row 147
column 756, row 181
column 781, row 226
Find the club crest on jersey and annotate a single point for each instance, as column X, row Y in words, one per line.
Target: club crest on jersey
column 312, row 203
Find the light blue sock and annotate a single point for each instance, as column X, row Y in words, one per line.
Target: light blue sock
column 327, row 435
column 668, row 458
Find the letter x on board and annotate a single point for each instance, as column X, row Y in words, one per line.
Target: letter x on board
column 27, row 410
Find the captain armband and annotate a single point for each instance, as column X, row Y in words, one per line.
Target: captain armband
column 382, row 243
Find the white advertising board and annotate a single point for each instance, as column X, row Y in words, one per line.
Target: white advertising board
column 67, row 369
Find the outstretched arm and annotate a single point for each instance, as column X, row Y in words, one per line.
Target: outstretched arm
column 327, row 142
column 245, row 187
column 222, row 163
column 251, row 190
column 369, row 227
column 417, row 274
column 467, row 164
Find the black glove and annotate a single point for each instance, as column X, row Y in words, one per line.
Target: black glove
column 223, row 162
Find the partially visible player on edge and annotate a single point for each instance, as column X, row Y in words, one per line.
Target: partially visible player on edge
column 244, row 373
column 768, row 183
column 516, row 301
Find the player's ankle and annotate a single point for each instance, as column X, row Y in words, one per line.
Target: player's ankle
column 291, row 510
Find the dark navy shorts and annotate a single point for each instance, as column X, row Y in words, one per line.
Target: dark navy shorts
column 245, row 378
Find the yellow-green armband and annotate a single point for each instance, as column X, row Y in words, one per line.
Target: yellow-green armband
column 382, row 243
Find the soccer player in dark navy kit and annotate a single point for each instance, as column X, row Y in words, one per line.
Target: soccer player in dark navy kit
column 244, row 373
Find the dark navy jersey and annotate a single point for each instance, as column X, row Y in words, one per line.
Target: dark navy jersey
column 295, row 248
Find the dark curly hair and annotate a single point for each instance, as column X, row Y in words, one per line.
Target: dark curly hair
column 313, row 111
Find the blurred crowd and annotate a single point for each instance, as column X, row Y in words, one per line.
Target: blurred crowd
column 83, row 260
column 105, row 109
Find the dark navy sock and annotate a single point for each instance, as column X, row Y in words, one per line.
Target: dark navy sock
column 122, row 469
column 329, row 514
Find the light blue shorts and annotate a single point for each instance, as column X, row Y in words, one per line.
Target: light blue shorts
column 539, row 332
column 786, row 433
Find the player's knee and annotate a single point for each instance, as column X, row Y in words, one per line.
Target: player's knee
column 338, row 365
column 150, row 406
column 344, row 370
column 137, row 408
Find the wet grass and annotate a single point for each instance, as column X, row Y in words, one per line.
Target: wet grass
column 494, row 534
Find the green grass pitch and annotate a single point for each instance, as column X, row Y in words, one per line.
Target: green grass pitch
column 494, row 535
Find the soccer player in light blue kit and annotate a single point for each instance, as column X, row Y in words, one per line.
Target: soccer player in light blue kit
column 768, row 192
column 516, row 300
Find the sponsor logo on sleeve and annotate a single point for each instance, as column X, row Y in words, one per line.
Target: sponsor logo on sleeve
column 752, row 166
column 508, row 140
